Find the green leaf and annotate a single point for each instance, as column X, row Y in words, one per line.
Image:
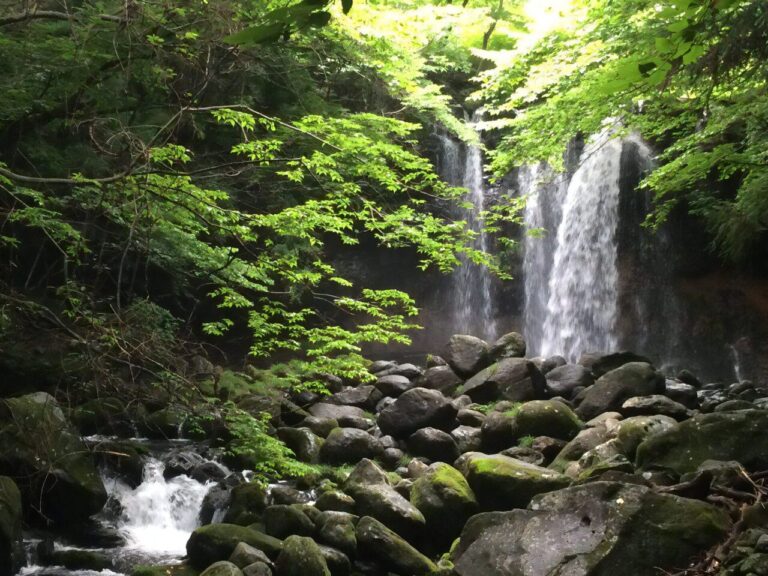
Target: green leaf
column 346, row 6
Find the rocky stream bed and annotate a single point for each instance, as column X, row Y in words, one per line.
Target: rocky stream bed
column 482, row 462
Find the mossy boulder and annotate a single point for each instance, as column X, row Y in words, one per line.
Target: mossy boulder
column 503, row 483
column 740, row 436
column 303, row 442
column 338, row 530
column 513, row 379
column 598, row 529
column 385, row 546
column 301, row 556
column 214, row 542
column 52, row 467
column 102, row 416
column 244, row 554
column 546, row 418
column 11, row 553
column 633, row 431
column 247, row 504
column 611, row 390
column 348, row 445
column 445, row 499
column 222, row 568
column 510, row 345
column 415, row 409
column 282, row 521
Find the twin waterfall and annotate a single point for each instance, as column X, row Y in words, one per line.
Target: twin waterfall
column 570, row 270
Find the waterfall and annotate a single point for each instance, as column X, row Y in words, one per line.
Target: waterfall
column 471, row 304
column 544, row 190
column 582, row 296
column 158, row 515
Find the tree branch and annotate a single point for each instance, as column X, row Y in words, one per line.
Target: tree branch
column 51, row 15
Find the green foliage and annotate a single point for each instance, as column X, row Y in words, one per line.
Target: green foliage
column 525, row 441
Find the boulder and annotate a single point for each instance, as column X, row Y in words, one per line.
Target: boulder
column 417, row 408
column 338, row 562
column 498, row 431
column 335, row 500
column 514, row 379
column 11, row 551
column 374, row 496
column 246, row 504
column 222, row 568
column 633, row 431
column 44, row 455
column 102, row 416
column 433, row 444
column 257, row 569
column 320, row 426
column 364, row 397
column 214, row 542
column 441, row 378
column 562, row 380
column 445, row 499
column 617, row 386
column 740, row 436
column 468, row 438
column 655, row 404
column 301, row 556
column 335, row 412
column 546, row 417
column 244, row 555
column 393, row 385
column 598, row 529
column 381, row 366
column 603, row 363
column 349, row 445
column 511, row 345
column 469, row 417
column 302, row 442
column 282, row 521
column 338, row 531
column 584, row 441
column 467, row 354
column 685, row 394
column 503, row 483
column 551, row 363
column 382, row 544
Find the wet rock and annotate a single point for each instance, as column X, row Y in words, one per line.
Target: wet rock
column 685, row 394
column 381, row 365
column 349, row 445
column 379, row 542
column 433, row 444
column 740, row 436
column 222, row 568
column 601, row 364
column 338, row 531
column 503, row 483
column 393, row 385
column 468, row 438
column 365, row 397
column 244, row 555
column 614, row 388
column 514, row 379
column 284, row 494
column 655, row 404
column 563, row 380
column 44, row 455
column 599, row 529
column 511, row 345
column 417, row 408
column 247, row 502
column 301, row 556
column 467, row 354
column 320, row 426
column 11, row 552
column 335, row 412
column 335, row 500
column 469, row 417
column 441, row 378
column 303, row 442
column 551, row 363
column 391, row 458
column 214, row 542
column 282, row 521
column 445, row 499
column 550, row 417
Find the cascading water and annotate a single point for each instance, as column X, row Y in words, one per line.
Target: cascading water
column 582, row 306
column 158, row 515
column 472, row 302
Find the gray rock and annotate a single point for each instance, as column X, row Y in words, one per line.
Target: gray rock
column 257, row 569
column 685, row 394
column 338, row 531
column 244, row 555
column 603, row 363
column 320, row 426
column 514, row 379
column 365, row 397
column 301, row 556
column 511, row 345
column 433, row 444
column 335, row 412
column 282, row 521
column 335, row 500
column 655, row 404
column 393, row 385
column 303, row 442
column 498, row 431
column 468, row 438
column 417, row 408
column 222, row 568
column 614, row 388
column 387, row 547
column 214, row 542
column 348, row 445
column 599, row 529
column 562, row 380
column 469, row 417
column 441, row 378
column 633, row 431
column 467, row 354
column 546, row 417
column 551, row 363
column 381, row 365
column 338, row 562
